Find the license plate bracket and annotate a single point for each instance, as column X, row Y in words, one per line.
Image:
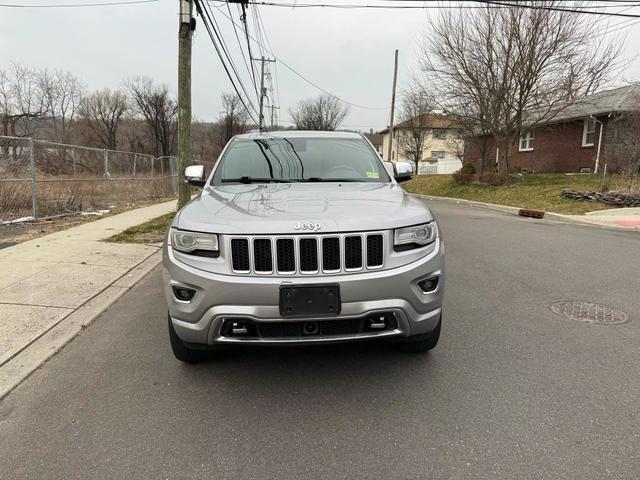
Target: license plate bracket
column 310, row 300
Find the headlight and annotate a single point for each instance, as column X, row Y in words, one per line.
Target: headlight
column 417, row 236
column 188, row 242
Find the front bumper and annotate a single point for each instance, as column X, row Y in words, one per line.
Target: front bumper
column 255, row 298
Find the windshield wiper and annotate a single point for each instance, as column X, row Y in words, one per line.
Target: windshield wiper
column 320, row 179
column 257, row 180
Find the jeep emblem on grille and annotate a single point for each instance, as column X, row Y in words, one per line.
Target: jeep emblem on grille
column 314, row 227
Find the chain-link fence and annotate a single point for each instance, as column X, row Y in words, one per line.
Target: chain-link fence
column 41, row 179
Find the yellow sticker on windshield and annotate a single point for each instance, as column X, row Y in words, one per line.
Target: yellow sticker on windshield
column 373, row 174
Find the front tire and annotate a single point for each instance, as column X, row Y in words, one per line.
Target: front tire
column 184, row 353
column 422, row 344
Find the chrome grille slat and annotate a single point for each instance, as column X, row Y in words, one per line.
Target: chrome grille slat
column 307, row 254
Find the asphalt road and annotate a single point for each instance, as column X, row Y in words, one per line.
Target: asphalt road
column 512, row 390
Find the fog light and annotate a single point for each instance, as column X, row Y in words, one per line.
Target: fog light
column 183, row 294
column 429, row 284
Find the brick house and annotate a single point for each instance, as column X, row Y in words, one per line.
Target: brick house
column 579, row 139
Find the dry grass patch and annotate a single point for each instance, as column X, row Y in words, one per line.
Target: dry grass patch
column 534, row 191
column 152, row 231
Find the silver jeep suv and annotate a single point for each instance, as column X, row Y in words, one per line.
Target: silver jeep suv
column 301, row 238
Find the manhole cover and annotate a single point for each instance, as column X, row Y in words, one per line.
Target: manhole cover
column 589, row 312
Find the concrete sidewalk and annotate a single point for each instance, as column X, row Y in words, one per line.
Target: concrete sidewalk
column 43, row 281
column 628, row 218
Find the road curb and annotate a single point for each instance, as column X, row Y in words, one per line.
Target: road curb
column 15, row 370
column 472, row 203
column 586, row 221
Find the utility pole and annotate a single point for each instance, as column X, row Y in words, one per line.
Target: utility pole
column 263, row 93
column 263, row 90
column 273, row 109
column 185, row 34
column 393, row 106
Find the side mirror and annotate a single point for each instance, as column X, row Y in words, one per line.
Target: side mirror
column 194, row 175
column 404, row 171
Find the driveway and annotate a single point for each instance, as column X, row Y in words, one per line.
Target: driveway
column 513, row 390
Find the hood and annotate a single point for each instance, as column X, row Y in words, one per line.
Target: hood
column 277, row 208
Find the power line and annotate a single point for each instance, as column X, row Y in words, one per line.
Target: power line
column 264, row 38
column 258, row 32
column 244, row 58
column 243, row 19
column 275, row 65
column 555, row 9
column 209, row 28
column 310, row 82
column 78, row 5
column 617, row 26
column 223, row 45
column 396, row 6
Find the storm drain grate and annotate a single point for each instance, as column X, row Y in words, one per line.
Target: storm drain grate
column 589, row 312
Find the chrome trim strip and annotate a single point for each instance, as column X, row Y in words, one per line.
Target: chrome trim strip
column 314, row 339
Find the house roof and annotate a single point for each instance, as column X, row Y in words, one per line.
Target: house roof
column 429, row 120
column 622, row 99
column 374, row 138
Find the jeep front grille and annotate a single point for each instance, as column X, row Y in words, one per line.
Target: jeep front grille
column 307, row 254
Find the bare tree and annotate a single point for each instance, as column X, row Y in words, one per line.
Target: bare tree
column 512, row 68
column 623, row 144
column 159, row 110
column 103, row 112
column 413, row 130
column 325, row 112
column 62, row 92
column 22, row 101
column 233, row 119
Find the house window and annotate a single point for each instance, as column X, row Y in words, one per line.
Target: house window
column 437, row 154
column 589, row 132
column 440, row 133
column 526, row 142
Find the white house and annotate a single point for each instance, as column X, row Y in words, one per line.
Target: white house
column 442, row 147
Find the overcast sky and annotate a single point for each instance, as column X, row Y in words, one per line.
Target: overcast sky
column 347, row 52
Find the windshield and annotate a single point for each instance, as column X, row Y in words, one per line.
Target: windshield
column 298, row 159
